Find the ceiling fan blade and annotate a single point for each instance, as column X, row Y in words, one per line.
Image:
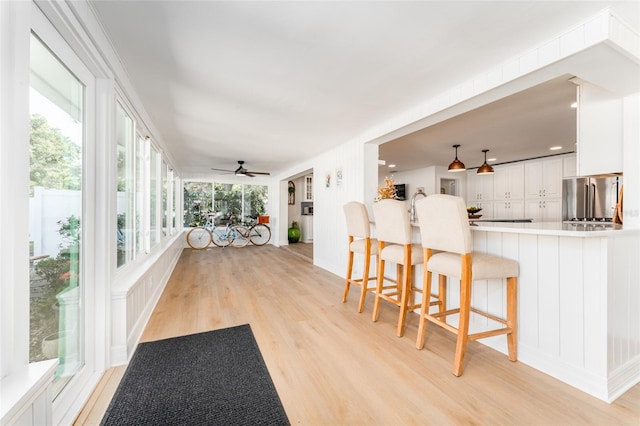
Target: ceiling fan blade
column 259, row 173
column 250, row 174
column 223, row 170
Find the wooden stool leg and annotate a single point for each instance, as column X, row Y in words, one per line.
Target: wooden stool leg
column 442, row 292
column 379, row 283
column 465, row 308
column 424, row 310
column 512, row 317
column 347, row 282
column 365, row 278
column 406, row 290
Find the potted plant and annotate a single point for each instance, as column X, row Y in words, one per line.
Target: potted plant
column 294, row 233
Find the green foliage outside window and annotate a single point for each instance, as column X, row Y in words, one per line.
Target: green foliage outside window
column 226, row 200
column 55, row 159
column 198, row 200
column 63, row 270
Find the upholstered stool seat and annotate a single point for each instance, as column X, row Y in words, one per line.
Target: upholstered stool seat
column 360, row 241
column 444, row 226
column 483, row 266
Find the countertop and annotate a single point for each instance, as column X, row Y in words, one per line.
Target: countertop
column 554, row 228
column 551, row 228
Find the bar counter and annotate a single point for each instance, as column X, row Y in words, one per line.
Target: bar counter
column 578, row 300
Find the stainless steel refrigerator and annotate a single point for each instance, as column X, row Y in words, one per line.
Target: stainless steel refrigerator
column 590, row 199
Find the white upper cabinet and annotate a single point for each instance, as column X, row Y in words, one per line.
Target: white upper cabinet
column 308, row 188
column 600, row 130
column 479, row 188
column 543, row 178
column 508, row 182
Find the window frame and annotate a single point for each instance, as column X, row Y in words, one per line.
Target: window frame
column 92, row 115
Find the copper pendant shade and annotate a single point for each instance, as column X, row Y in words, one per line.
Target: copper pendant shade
column 457, row 165
column 485, row 169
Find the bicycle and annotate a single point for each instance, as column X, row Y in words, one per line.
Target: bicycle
column 259, row 233
column 201, row 237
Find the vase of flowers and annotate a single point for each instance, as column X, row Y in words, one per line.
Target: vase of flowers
column 388, row 191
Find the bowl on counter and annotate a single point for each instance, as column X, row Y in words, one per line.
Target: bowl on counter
column 473, row 212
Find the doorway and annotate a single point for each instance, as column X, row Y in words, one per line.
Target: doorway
column 449, row 186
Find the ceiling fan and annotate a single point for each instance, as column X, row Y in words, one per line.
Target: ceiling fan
column 241, row 171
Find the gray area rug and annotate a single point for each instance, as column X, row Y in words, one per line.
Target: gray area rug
column 213, row 378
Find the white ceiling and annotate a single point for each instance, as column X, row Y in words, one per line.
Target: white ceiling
column 274, row 83
column 521, row 126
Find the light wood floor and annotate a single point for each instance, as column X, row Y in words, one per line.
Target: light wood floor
column 303, row 250
column 334, row 366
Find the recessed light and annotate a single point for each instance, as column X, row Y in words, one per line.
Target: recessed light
column 391, row 166
column 555, row 148
column 491, row 159
column 574, row 105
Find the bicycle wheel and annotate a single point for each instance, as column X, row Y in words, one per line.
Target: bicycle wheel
column 260, row 234
column 199, row 238
column 221, row 236
column 240, row 236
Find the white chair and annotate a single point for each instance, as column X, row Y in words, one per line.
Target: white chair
column 444, row 226
column 360, row 241
column 393, row 231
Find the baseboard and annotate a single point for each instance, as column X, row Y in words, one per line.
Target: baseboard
column 624, row 378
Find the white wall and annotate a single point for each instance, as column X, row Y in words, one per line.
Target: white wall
column 294, row 210
column 329, row 227
column 427, row 178
column 631, row 161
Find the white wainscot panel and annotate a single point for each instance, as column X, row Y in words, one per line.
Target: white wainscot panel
column 133, row 301
column 578, row 306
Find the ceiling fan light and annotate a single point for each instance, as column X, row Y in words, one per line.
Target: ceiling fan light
column 485, row 169
column 456, row 165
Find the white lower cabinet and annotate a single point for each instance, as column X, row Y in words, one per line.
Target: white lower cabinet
column 546, row 210
column 307, row 229
column 511, row 209
column 487, row 209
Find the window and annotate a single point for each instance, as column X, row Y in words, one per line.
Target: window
column 125, row 188
column 165, row 199
column 56, row 220
column 243, row 202
column 255, row 201
column 153, row 197
column 198, row 200
column 173, row 200
column 141, row 147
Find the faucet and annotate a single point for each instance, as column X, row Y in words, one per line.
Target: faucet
column 412, row 210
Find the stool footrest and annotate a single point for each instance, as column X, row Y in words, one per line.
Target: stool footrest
column 489, row 333
column 358, row 281
column 488, row 315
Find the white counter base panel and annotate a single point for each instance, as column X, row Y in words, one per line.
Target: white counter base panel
column 579, row 319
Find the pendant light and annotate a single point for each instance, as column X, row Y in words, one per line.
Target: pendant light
column 485, row 169
column 457, row 165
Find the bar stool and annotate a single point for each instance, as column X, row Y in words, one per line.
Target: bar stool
column 358, row 226
column 393, row 231
column 444, row 225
